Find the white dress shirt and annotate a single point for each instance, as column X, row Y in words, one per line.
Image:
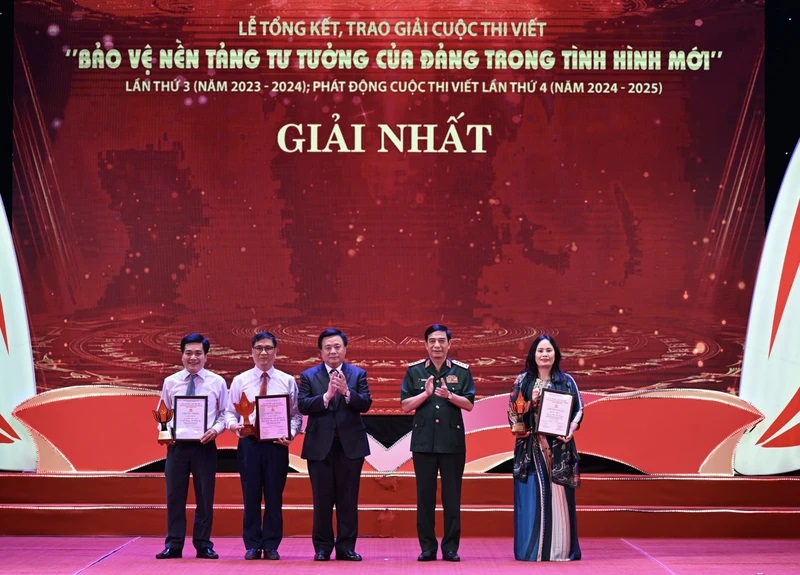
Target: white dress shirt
column 249, row 383
column 206, row 383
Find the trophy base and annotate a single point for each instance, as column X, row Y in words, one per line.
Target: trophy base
column 165, row 437
column 519, row 429
column 247, row 431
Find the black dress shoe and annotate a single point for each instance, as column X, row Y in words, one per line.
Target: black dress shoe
column 271, row 554
column 252, row 554
column 427, row 556
column 348, row 555
column 450, row 556
column 321, row 556
column 169, row 553
column 207, row 553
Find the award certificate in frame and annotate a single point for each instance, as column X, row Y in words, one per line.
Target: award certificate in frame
column 555, row 408
column 272, row 417
column 190, row 417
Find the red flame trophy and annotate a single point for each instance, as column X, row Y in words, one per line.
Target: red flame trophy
column 516, row 411
column 163, row 415
column 245, row 408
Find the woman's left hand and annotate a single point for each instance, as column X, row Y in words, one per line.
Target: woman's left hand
column 566, row 439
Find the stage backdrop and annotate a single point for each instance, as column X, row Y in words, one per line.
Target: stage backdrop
column 592, row 169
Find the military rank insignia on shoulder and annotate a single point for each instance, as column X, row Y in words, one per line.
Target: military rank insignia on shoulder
column 419, row 361
column 460, row 363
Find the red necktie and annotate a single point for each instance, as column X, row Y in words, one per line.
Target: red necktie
column 264, row 378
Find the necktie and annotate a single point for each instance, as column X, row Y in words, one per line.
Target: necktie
column 335, row 372
column 190, row 389
column 264, row 378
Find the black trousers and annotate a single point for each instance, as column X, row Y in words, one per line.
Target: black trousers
column 263, row 467
column 200, row 460
column 451, row 468
column 335, row 481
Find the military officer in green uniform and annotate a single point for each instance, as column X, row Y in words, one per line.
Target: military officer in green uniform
column 438, row 389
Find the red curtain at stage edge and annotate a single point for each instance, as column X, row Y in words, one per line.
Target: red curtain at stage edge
column 592, row 170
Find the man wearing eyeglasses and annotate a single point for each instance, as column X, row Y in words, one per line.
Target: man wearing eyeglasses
column 334, row 394
column 263, row 465
column 196, row 457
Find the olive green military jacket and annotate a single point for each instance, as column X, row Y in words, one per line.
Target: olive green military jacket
column 438, row 424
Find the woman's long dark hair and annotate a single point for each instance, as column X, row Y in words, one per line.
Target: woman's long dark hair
column 530, row 361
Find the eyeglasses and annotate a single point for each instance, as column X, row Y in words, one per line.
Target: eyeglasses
column 263, row 348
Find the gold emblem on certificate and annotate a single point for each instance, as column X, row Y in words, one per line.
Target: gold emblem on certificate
column 272, row 417
column 190, row 417
column 163, row 415
column 555, row 408
column 245, row 408
column 516, row 411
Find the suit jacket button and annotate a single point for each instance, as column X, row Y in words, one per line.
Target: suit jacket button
column 437, row 421
column 437, row 407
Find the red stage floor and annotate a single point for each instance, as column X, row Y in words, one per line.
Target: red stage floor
column 607, row 556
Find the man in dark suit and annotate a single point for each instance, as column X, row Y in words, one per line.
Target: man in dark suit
column 333, row 395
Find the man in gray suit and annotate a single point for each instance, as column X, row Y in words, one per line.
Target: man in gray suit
column 333, row 395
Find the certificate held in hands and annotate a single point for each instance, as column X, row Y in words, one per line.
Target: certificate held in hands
column 555, row 408
column 190, row 417
column 272, row 417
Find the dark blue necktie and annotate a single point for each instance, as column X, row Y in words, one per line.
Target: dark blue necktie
column 190, row 390
column 335, row 372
